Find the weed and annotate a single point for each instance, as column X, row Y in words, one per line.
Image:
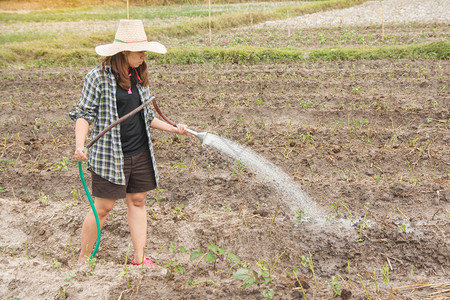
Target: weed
column 402, row 228
column 2, row 190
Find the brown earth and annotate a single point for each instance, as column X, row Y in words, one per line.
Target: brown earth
column 367, row 140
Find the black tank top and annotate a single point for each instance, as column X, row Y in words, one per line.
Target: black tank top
column 132, row 131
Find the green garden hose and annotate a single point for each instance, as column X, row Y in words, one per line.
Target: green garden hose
column 80, row 168
column 97, row 221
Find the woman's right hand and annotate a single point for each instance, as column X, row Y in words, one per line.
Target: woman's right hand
column 80, row 156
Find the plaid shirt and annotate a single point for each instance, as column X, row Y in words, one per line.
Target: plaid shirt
column 98, row 105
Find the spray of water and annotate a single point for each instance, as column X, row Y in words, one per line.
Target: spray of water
column 292, row 194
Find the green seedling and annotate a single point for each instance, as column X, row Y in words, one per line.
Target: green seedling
column 251, row 277
column 174, row 267
column 69, row 276
column 75, row 194
column 209, row 167
column 193, row 282
column 56, row 264
column 215, row 253
column 5, row 164
column 363, row 225
column 239, row 169
column 174, row 249
column 44, row 198
column 63, row 165
column 402, row 228
column 335, row 286
column 92, row 265
column 299, row 216
column 306, row 139
column 178, row 212
column 268, row 294
column 158, row 195
column 2, row 190
column 177, row 166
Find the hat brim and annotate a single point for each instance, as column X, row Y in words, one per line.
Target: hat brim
column 114, row 48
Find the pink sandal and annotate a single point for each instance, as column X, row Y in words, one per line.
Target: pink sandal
column 148, row 262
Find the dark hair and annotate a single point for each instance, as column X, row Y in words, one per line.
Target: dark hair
column 119, row 67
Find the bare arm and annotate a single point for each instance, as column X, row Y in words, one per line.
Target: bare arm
column 81, row 131
column 158, row 124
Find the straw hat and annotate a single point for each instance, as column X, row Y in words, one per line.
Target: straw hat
column 130, row 36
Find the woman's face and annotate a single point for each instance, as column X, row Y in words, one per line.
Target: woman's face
column 135, row 59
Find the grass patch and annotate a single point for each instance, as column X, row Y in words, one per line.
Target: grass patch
column 195, row 55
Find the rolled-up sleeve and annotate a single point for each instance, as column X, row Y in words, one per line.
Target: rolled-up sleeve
column 87, row 107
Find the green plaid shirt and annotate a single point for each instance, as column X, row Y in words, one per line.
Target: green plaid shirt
column 98, row 105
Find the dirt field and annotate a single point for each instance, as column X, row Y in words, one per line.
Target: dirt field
column 368, row 141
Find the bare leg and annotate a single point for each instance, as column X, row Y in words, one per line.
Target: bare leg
column 89, row 229
column 137, row 222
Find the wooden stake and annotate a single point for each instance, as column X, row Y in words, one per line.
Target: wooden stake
column 382, row 21
column 209, row 19
column 128, row 9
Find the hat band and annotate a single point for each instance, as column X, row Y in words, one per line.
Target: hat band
column 120, row 41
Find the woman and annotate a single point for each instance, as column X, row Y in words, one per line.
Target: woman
column 122, row 161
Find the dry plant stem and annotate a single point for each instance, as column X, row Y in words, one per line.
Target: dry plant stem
column 364, row 287
column 126, row 268
column 200, row 260
column 157, row 256
column 384, row 219
column 143, row 258
column 348, row 267
column 273, row 219
column 440, row 231
column 312, row 269
column 275, row 263
column 389, row 262
column 299, row 283
column 403, row 214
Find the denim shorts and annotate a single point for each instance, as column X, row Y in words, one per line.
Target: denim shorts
column 139, row 176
